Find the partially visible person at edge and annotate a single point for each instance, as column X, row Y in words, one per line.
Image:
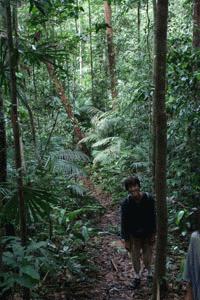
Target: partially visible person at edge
column 138, row 227
column 192, row 264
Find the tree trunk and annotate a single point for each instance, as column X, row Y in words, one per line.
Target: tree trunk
column 3, row 162
column 3, row 147
column 33, row 130
column 15, row 122
column 196, row 23
column 65, row 101
column 161, row 144
column 111, row 50
column 138, row 24
column 91, row 52
column 12, row 58
column 153, row 121
column 193, row 132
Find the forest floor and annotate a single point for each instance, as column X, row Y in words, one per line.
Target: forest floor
column 114, row 274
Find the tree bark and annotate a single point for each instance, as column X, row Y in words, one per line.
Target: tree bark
column 138, row 23
column 153, row 117
column 65, row 101
column 193, row 132
column 91, row 52
column 12, row 53
column 196, row 23
column 3, row 146
column 161, row 144
column 3, row 162
column 111, row 50
column 12, row 59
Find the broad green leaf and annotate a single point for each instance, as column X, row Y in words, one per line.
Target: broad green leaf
column 30, row 271
column 180, row 215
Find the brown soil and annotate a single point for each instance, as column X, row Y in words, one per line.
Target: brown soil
column 114, row 274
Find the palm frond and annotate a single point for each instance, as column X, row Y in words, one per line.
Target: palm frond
column 77, row 189
column 37, row 201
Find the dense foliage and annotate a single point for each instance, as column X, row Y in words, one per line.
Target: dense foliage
column 70, row 36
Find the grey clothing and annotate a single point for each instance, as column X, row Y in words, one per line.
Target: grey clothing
column 192, row 265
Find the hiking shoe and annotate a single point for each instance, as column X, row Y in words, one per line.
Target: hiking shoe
column 136, row 283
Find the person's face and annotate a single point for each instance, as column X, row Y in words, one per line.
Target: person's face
column 134, row 190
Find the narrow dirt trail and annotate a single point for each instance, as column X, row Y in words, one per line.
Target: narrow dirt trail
column 115, row 273
column 112, row 278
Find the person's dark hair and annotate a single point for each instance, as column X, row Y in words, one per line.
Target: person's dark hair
column 130, row 181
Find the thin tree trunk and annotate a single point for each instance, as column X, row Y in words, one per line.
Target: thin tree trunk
column 148, row 32
column 3, row 146
column 138, row 23
column 33, row 131
column 193, row 132
column 111, row 50
column 15, row 122
column 80, row 53
column 91, row 52
column 3, row 162
column 196, row 23
column 7, row 228
column 161, row 144
column 68, row 108
column 14, row 23
column 153, row 121
column 12, row 54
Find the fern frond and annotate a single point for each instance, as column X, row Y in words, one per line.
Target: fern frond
column 139, row 165
column 105, row 142
column 91, row 137
column 72, row 155
column 68, row 168
column 109, row 154
column 91, row 110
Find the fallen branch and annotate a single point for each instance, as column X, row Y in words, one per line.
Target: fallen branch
column 114, row 265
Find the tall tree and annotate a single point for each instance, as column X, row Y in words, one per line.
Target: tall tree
column 91, row 51
column 153, row 121
column 111, row 49
column 161, row 142
column 79, row 135
column 3, row 160
column 193, row 129
column 138, row 22
column 196, row 23
column 3, row 148
column 12, row 54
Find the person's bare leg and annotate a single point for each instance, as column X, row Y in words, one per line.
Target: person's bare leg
column 188, row 295
column 135, row 255
column 147, row 249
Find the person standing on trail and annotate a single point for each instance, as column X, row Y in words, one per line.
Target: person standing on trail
column 138, row 227
column 192, row 264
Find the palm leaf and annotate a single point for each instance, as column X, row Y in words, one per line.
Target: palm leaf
column 37, row 201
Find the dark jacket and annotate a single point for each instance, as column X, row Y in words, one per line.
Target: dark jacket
column 138, row 219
